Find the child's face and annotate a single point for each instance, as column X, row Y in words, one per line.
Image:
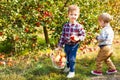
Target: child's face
column 101, row 23
column 73, row 16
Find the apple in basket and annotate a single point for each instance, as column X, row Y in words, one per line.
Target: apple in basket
column 62, row 64
column 57, row 58
column 63, row 59
column 62, row 54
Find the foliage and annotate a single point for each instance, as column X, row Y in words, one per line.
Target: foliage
column 39, row 66
column 19, row 20
column 21, row 24
column 12, row 76
column 6, row 46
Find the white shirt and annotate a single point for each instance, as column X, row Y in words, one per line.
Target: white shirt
column 106, row 36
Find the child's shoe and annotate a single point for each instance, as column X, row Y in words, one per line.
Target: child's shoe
column 96, row 73
column 111, row 71
column 71, row 75
column 66, row 69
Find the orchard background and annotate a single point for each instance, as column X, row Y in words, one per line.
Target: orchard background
column 33, row 27
column 23, row 21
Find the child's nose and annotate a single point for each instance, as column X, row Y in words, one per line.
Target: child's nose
column 73, row 16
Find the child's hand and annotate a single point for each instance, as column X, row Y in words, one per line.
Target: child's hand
column 96, row 36
column 74, row 38
column 59, row 48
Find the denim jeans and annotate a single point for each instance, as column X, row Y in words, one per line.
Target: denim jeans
column 71, row 51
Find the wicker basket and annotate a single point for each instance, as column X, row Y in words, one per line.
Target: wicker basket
column 58, row 64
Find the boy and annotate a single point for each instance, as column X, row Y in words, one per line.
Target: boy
column 105, row 43
column 72, row 33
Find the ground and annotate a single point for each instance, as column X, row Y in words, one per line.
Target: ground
column 107, row 77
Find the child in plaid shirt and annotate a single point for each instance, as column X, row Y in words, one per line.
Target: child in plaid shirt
column 105, row 43
column 72, row 33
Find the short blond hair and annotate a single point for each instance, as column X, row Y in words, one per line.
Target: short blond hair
column 105, row 17
column 73, row 8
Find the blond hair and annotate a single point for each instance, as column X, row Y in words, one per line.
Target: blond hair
column 105, row 17
column 73, row 8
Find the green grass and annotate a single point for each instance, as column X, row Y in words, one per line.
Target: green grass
column 27, row 68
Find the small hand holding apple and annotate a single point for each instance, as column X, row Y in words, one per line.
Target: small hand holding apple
column 58, row 49
column 96, row 36
column 74, row 38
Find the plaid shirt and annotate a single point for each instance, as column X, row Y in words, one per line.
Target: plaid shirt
column 71, row 29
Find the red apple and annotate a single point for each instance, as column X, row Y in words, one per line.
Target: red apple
column 26, row 29
column 62, row 54
column 76, row 38
column 62, row 64
column 63, row 59
column 16, row 38
column 57, row 58
column 37, row 24
column 2, row 63
column 1, row 33
column 72, row 38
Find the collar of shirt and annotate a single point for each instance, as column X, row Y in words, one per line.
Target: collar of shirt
column 72, row 25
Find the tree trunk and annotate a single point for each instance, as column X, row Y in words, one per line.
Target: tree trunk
column 46, row 35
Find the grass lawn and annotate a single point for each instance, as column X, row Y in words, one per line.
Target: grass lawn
column 39, row 67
